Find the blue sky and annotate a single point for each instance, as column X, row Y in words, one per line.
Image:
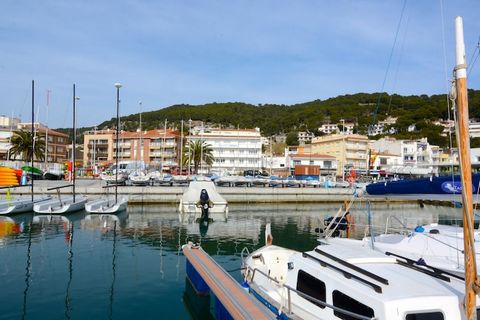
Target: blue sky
column 200, row 51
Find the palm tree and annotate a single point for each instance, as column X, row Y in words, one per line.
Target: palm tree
column 22, row 145
column 196, row 152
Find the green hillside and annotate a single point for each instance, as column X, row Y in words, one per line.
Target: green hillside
column 363, row 108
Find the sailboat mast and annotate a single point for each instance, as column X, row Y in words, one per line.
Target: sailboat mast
column 73, row 143
column 465, row 165
column 118, row 86
column 33, row 131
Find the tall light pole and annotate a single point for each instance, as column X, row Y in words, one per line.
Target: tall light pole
column 118, row 86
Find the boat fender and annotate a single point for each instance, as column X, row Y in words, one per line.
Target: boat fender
column 419, row 229
column 245, row 286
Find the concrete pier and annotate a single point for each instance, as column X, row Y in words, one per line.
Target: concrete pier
column 173, row 194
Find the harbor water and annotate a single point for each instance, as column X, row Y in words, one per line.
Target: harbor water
column 131, row 266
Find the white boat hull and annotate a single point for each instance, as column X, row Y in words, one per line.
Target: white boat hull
column 20, row 205
column 346, row 270
column 57, row 206
column 437, row 245
column 107, row 205
column 189, row 200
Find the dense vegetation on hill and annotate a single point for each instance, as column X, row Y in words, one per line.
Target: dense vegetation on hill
column 362, row 108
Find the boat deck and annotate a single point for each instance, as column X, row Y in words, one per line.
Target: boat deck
column 233, row 297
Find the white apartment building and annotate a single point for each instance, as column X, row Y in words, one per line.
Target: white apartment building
column 304, row 137
column 329, row 128
column 234, row 150
column 474, row 128
column 416, row 156
column 380, row 127
column 7, row 125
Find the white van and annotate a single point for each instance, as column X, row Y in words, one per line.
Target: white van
column 127, row 167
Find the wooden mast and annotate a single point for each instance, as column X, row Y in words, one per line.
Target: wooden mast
column 463, row 140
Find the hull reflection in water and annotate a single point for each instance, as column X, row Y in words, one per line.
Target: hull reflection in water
column 133, row 267
column 198, row 306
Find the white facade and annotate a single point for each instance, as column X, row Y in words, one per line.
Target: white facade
column 474, row 128
column 273, row 163
column 233, row 150
column 328, row 128
column 417, row 154
column 379, row 128
column 305, row 136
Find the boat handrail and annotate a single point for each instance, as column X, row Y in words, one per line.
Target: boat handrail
column 60, row 187
column 308, row 297
column 352, row 266
column 436, row 271
column 345, row 273
column 396, row 218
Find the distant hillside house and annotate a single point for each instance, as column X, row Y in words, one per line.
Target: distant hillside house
column 305, row 137
column 381, row 126
column 328, row 128
column 234, row 150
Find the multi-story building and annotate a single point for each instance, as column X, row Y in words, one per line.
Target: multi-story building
column 474, row 128
column 326, row 163
column 234, row 150
column 381, row 126
column 329, row 128
column 305, row 137
column 350, row 151
column 56, row 143
column 417, row 154
column 7, row 125
column 160, row 148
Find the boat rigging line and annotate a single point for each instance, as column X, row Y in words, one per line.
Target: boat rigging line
column 389, row 61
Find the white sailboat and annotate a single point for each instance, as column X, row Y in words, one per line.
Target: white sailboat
column 109, row 204
column 66, row 204
column 13, row 205
column 347, row 279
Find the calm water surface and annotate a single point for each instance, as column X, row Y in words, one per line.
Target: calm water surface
column 131, row 266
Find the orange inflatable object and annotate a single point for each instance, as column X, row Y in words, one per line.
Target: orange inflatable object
column 8, row 177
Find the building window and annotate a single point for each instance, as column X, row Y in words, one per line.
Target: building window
column 312, row 287
column 345, row 302
column 425, row 316
column 383, row 161
column 327, row 164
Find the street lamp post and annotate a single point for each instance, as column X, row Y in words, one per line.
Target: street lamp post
column 118, row 86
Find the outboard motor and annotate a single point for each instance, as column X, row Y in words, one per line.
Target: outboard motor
column 204, row 204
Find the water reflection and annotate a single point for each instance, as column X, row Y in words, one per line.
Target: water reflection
column 90, row 266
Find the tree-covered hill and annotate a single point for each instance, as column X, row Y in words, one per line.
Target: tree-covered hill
column 363, row 108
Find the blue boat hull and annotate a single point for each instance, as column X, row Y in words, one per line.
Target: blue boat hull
column 434, row 185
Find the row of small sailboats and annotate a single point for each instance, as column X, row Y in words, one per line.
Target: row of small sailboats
column 75, row 202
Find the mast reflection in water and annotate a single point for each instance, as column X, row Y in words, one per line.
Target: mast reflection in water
column 130, row 266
